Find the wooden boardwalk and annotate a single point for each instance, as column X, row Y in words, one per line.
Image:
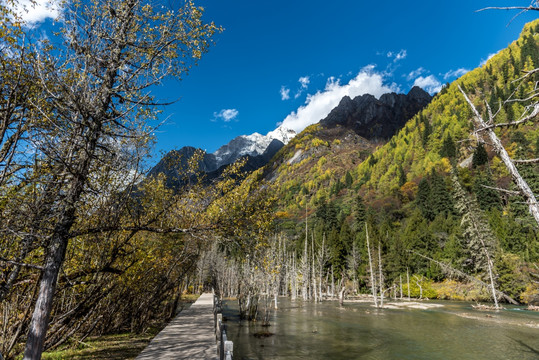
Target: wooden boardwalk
column 190, row 335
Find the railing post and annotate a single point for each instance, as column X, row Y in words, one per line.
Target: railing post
column 229, row 349
column 224, row 347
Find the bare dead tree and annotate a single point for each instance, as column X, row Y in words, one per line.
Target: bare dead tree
column 373, row 281
column 531, row 113
column 487, row 128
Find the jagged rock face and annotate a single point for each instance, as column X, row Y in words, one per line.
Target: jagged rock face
column 374, row 118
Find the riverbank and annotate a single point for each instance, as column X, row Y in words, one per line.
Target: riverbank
column 124, row 346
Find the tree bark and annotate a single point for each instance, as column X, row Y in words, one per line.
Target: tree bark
column 47, row 287
column 522, row 185
column 373, row 283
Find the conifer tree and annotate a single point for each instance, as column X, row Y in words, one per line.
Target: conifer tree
column 441, row 201
column 487, row 197
column 449, row 148
column 423, row 199
column 480, row 156
column 348, row 179
column 426, row 132
column 402, row 175
column 477, row 233
column 360, row 212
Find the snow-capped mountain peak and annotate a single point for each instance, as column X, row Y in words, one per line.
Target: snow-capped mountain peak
column 282, row 134
column 253, row 145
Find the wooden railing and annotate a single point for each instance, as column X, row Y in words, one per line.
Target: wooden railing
column 224, row 347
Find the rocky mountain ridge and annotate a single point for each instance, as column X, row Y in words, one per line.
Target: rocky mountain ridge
column 373, row 118
column 369, row 118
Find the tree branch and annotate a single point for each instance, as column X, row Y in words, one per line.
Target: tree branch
column 138, row 228
column 510, row 192
column 31, row 266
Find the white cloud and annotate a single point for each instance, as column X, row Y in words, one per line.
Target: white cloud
column 414, row 74
column 227, row 115
column 490, row 56
column 38, row 11
column 304, row 82
column 396, row 56
column 319, row 105
column 430, row 84
column 455, row 73
column 285, row 93
column 400, row 55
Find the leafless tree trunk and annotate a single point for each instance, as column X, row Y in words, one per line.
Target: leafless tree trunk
column 488, row 128
column 381, row 276
column 408, row 281
column 305, row 263
column 313, row 271
column 373, row 282
column 400, row 284
column 418, row 282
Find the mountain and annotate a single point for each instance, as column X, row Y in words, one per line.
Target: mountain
column 363, row 164
column 251, row 145
column 256, row 148
column 374, row 118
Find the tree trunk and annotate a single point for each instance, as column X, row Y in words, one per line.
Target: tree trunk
column 43, row 307
column 408, row 281
column 527, row 193
column 400, row 282
column 373, row 284
column 381, row 276
column 313, row 272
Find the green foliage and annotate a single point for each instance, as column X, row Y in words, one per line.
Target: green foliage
column 476, row 231
column 420, row 287
column 449, row 148
column 423, row 199
column 487, row 198
column 426, row 131
column 512, row 277
column 480, row 156
column 403, row 189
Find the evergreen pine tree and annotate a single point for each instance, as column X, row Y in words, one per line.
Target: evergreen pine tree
column 487, row 198
column 401, row 175
column 348, row 179
column 423, row 199
column 449, row 149
column 480, row 156
column 441, row 200
column 360, row 213
column 476, row 230
column 426, row 132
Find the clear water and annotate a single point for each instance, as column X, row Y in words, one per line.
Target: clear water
column 304, row 330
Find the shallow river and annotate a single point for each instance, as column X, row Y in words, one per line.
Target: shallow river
column 453, row 330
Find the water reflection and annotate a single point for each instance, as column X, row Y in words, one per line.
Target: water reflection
column 358, row 331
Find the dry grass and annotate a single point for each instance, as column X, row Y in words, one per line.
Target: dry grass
column 112, row 347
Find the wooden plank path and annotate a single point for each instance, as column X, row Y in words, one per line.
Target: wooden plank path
column 190, row 335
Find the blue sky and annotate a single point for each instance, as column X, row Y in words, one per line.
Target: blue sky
column 293, row 59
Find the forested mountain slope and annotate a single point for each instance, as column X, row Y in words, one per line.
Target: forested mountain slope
column 403, row 188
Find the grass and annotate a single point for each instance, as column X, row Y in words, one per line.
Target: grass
column 112, row 347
